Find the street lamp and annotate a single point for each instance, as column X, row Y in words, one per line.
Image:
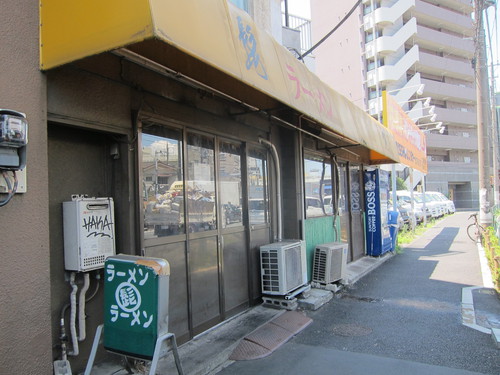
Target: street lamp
column 440, row 129
column 439, row 124
column 420, row 90
column 426, row 100
column 433, row 117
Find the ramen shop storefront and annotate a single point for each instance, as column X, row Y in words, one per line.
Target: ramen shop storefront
column 188, row 111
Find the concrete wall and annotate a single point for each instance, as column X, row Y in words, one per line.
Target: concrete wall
column 342, row 69
column 25, row 347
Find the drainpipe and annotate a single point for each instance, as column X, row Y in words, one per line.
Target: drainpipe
column 276, row 161
column 287, row 21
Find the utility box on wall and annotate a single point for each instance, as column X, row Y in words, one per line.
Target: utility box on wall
column 89, row 233
column 136, row 293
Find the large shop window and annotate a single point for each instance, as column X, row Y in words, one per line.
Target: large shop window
column 230, row 184
column 258, row 197
column 318, row 187
column 161, row 166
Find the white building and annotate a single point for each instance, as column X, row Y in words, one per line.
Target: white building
column 397, row 45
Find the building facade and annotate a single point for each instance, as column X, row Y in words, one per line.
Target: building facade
column 398, row 45
column 176, row 125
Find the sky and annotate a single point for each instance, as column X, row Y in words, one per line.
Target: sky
column 299, row 8
column 495, row 42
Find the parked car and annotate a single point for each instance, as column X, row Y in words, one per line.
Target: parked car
column 434, row 206
column 449, row 206
column 404, row 199
column 314, row 207
column 328, row 204
column 257, row 210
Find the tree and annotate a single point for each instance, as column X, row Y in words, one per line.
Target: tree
column 400, row 184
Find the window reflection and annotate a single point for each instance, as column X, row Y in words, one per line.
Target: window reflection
column 200, row 187
column 230, row 184
column 318, row 187
column 355, row 172
column 343, row 189
column 161, row 166
column 258, row 204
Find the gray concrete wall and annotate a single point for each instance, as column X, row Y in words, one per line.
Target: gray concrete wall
column 25, row 346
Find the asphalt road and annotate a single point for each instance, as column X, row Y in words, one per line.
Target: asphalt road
column 402, row 318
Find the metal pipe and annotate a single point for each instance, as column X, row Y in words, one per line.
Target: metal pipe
column 74, row 336
column 81, row 307
column 287, row 15
column 165, row 71
column 276, row 160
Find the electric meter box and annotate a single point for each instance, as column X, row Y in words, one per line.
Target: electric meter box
column 89, row 233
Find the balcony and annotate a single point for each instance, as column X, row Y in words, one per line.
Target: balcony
column 389, row 44
column 456, row 116
column 437, row 16
column 438, row 41
column 388, row 15
column 461, row 171
column 391, row 73
column 463, row 6
column 451, row 142
column 451, row 92
column 444, row 66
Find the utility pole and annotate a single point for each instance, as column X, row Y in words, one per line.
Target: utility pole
column 485, row 216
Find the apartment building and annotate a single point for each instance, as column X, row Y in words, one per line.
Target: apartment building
column 398, row 45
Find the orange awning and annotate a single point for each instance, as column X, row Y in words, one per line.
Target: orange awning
column 410, row 140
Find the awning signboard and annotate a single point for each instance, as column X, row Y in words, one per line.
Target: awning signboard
column 410, row 140
column 218, row 34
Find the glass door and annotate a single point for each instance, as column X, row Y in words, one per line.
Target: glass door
column 233, row 233
column 258, row 215
column 356, row 211
column 344, row 214
column 163, row 234
column 203, row 260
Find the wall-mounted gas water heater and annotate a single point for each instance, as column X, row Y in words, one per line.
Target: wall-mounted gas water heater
column 89, row 232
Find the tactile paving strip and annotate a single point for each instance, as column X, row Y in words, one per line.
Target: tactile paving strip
column 269, row 337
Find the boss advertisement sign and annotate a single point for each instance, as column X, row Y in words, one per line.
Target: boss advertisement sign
column 378, row 239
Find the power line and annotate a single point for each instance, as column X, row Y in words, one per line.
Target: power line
column 301, row 57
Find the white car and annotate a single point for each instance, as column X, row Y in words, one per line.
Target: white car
column 437, row 209
column 448, row 204
column 404, row 198
column 314, row 208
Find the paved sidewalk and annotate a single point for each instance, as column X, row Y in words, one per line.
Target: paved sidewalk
column 405, row 317
column 401, row 315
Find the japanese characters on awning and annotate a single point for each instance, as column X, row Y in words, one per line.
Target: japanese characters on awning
column 217, row 34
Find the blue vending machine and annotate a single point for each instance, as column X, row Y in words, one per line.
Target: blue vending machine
column 378, row 237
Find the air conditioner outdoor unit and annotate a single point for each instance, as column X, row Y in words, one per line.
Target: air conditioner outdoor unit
column 283, row 267
column 330, row 262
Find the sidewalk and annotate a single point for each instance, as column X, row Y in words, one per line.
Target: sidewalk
column 208, row 353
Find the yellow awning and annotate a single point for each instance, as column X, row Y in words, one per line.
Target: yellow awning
column 217, row 34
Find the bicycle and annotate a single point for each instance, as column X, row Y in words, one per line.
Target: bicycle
column 475, row 230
